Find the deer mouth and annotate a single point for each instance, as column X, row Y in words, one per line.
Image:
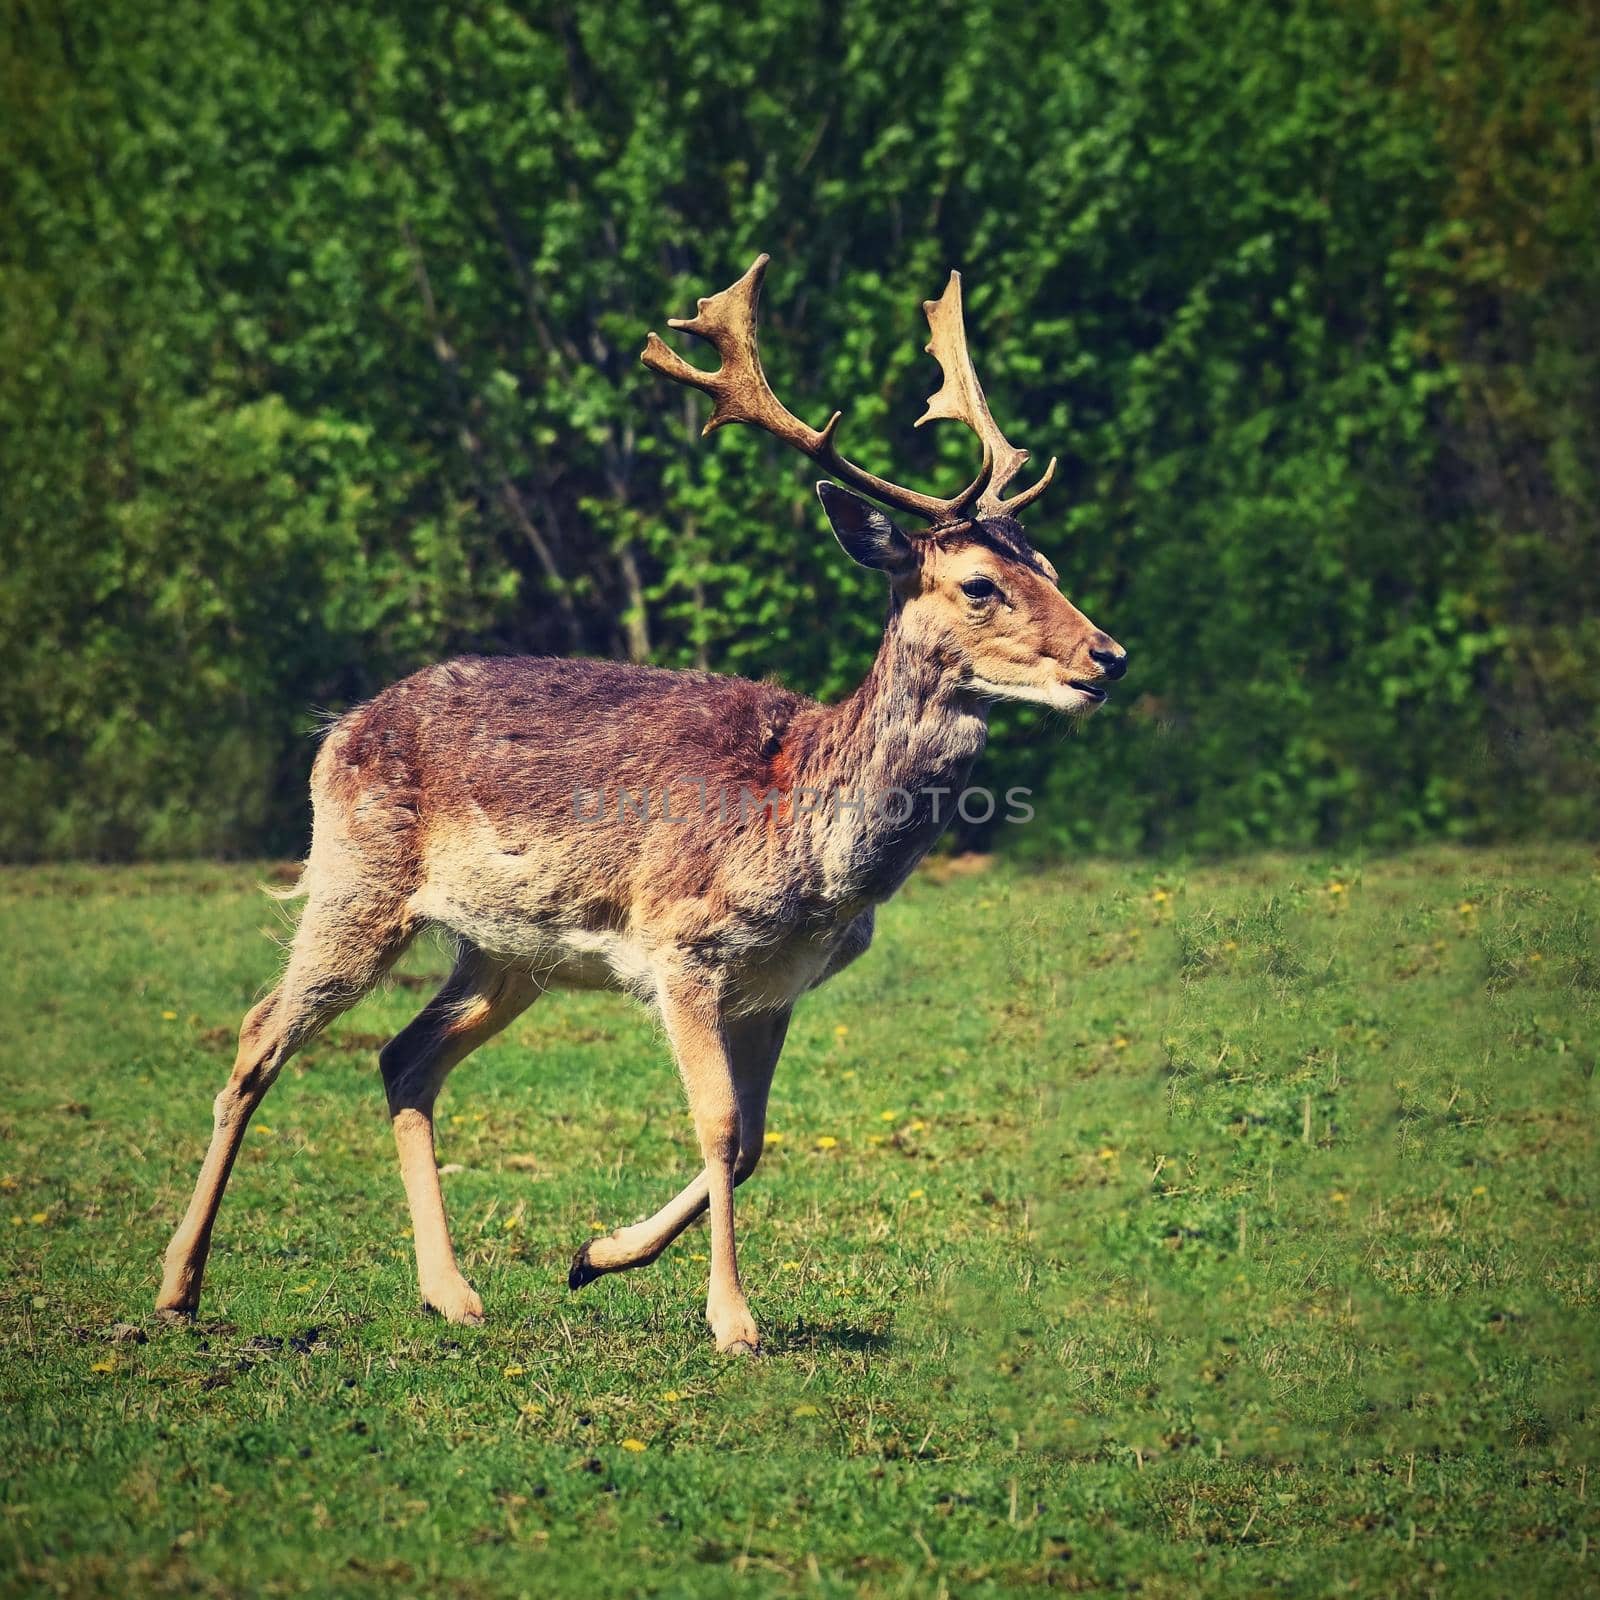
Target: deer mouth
column 1093, row 690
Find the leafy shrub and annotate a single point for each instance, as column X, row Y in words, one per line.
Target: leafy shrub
column 318, row 339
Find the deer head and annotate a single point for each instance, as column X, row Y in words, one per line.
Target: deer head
column 968, row 586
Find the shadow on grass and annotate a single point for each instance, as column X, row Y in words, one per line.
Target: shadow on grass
column 823, row 1336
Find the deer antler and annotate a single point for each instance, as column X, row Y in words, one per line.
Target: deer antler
column 961, row 399
column 741, row 393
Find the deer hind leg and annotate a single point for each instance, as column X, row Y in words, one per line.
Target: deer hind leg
column 754, row 1044
column 480, row 997
column 340, row 952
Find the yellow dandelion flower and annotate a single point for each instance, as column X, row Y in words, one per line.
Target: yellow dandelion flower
column 169, row 1016
column 635, row 1445
column 696, row 1255
column 1108, row 1154
column 510, row 1223
column 772, row 1136
column 596, row 1225
column 1161, row 897
column 1336, row 888
column 826, row 1141
column 302, row 1288
column 39, row 1218
column 917, row 1194
column 671, row 1396
column 531, row 1408
column 109, row 1364
column 918, row 1126
column 1120, row 1042
column 887, row 1116
column 1230, row 944
column 806, row 1410
column 513, row 1372
column 1479, row 1191
column 8, row 1182
column 1466, row 908
column 791, row 1266
column 840, row 1029
column 874, row 1138
column 1339, row 1197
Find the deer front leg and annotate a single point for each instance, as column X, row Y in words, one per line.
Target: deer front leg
column 695, row 1029
column 753, row 1047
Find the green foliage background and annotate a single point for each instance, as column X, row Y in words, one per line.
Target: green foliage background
column 318, row 359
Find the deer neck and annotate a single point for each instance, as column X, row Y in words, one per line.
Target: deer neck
column 892, row 761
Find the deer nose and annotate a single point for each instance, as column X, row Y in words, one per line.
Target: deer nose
column 1111, row 658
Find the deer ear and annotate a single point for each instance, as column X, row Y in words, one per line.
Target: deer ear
column 867, row 534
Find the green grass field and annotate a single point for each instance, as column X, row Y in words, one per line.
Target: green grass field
column 1211, row 1231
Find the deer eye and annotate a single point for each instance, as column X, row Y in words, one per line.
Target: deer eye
column 979, row 589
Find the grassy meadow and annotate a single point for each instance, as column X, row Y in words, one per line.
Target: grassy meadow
column 1219, row 1230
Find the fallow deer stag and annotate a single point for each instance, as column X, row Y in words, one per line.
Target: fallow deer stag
column 456, row 799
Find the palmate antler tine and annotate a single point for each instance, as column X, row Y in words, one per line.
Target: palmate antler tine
column 960, row 398
column 740, row 393
column 738, row 388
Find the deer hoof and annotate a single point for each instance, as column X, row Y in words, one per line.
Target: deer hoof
column 456, row 1303
column 741, row 1347
column 175, row 1316
column 582, row 1270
